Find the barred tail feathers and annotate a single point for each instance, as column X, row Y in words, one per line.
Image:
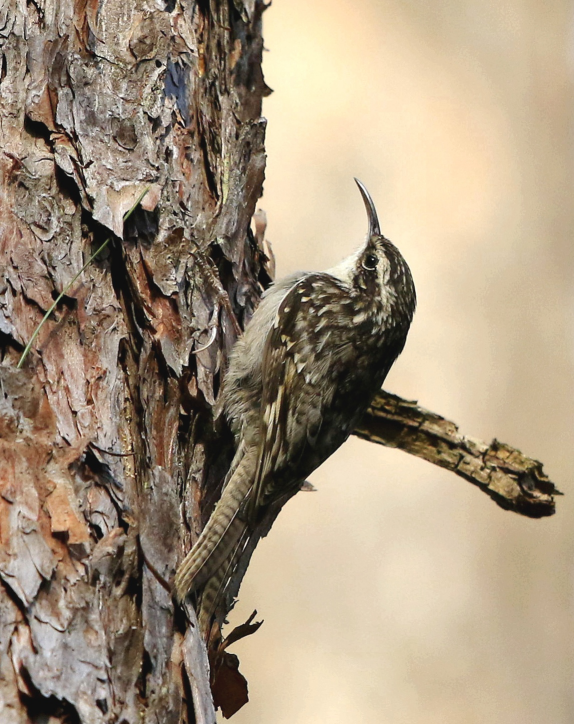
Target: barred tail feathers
column 215, row 587
column 220, row 536
column 209, row 596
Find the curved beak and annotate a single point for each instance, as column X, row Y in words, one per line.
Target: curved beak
column 374, row 228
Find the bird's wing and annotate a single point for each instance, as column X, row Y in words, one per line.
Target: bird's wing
column 304, row 350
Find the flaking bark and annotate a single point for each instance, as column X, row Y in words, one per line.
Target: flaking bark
column 111, row 454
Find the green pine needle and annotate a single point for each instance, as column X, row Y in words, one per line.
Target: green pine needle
column 70, row 284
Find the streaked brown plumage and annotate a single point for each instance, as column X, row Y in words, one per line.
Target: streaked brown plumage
column 316, row 351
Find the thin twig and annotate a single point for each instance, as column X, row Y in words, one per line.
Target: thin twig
column 212, row 336
column 222, row 296
column 111, row 452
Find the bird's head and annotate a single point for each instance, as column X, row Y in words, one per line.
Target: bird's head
column 377, row 271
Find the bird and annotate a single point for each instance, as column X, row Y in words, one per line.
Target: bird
column 315, row 352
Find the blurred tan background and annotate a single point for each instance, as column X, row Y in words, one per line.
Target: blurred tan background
column 398, row 593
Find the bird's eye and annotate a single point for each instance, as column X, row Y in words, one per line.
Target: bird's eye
column 370, row 262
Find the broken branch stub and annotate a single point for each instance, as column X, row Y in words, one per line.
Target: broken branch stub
column 513, row 480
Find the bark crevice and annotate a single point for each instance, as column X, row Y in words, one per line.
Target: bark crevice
column 112, row 449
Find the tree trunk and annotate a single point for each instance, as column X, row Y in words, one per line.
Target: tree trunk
column 109, row 449
column 112, row 450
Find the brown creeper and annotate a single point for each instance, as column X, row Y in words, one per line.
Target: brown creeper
column 316, row 351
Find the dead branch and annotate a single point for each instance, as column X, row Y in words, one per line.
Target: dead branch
column 511, row 479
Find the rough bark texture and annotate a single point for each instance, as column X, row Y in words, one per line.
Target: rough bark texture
column 111, row 455
column 511, row 479
column 107, row 438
